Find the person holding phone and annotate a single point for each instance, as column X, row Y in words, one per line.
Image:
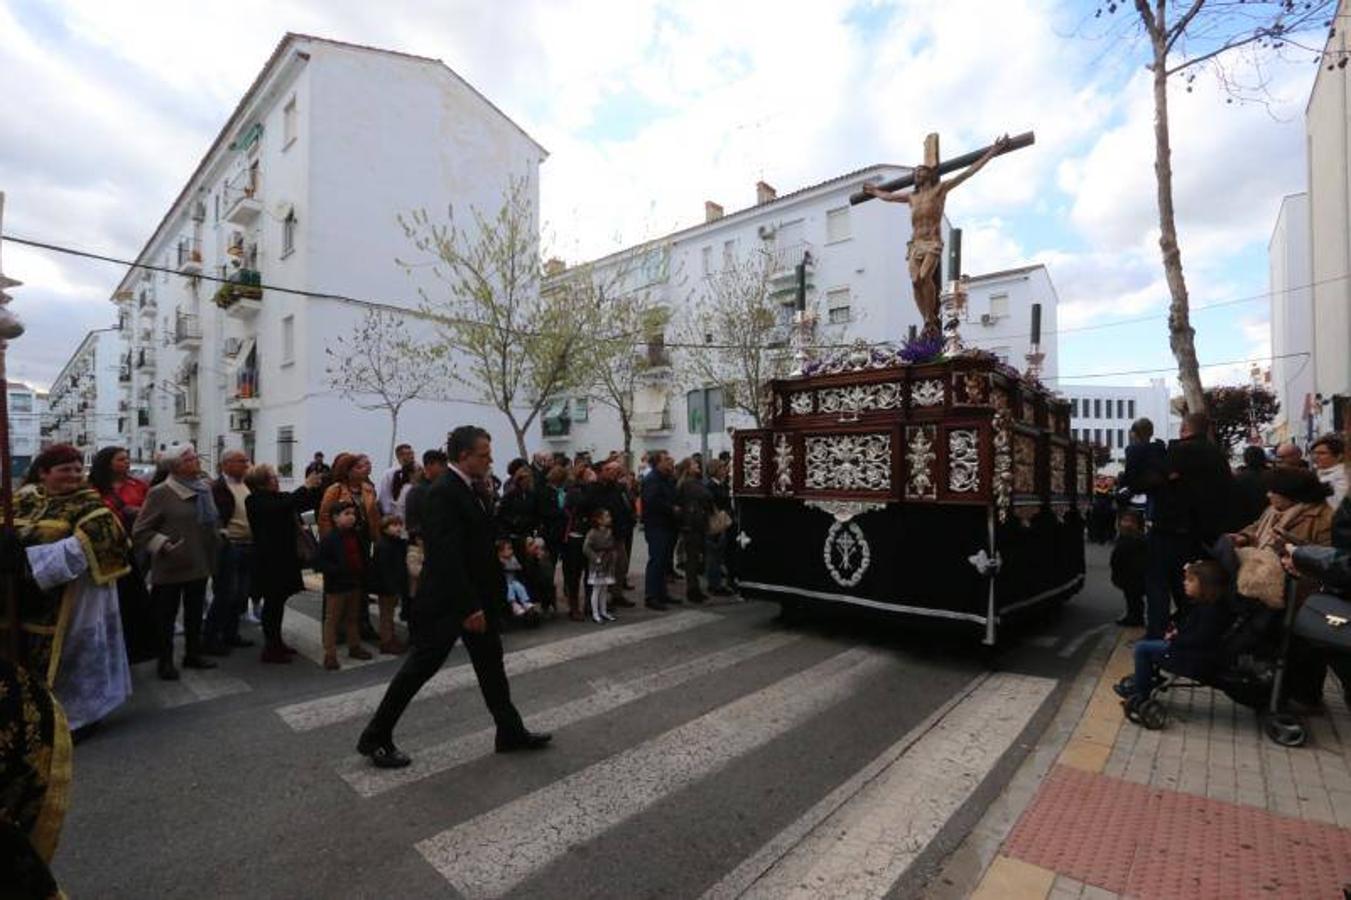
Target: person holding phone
column 178, row 529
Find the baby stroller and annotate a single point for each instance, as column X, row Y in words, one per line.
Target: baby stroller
column 1250, row 670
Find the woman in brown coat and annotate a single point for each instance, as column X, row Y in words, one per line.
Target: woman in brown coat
column 352, row 484
column 177, row 529
column 1297, row 513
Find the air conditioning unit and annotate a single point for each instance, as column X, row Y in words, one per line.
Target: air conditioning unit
column 987, row 318
column 233, row 346
column 766, row 232
column 241, row 421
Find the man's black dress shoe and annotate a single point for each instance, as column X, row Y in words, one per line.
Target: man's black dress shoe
column 197, row 662
column 382, row 754
column 526, row 740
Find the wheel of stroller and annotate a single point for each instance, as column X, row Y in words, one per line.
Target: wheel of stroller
column 1153, row 714
column 1285, row 729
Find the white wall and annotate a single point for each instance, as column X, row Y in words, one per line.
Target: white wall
column 1328, row 126
column 1292, row 379
column 1009, row 335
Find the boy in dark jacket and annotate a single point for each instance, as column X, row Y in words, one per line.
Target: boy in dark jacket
column 343, row 565
column 1130, row 558
column 1193, row 650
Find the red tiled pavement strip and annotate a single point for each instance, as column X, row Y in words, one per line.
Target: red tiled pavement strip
column 1149, row 843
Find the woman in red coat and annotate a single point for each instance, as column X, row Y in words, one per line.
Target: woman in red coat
column 124, row 493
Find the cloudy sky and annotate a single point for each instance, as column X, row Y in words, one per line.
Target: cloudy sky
column 649, row 107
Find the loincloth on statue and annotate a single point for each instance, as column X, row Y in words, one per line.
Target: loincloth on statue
column 923, row 254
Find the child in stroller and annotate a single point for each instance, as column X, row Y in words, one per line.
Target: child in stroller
column 1194, row 649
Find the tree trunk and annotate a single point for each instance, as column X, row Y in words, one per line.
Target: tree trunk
column 628, row 439
column 520, row 439
column 1181, row 336
column 393, row 433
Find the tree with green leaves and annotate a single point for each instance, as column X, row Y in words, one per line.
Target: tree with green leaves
column 1182, row 39
column 1240, row 411
column 380, row 365
column 516, row 345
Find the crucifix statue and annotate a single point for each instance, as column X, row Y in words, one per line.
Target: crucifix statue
column 924, row 252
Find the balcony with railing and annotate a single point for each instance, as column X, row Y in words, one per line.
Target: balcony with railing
column 185, row 409
column 242, row 196
column 187, row 332
column 241, row 296
column 145, row 358
column 142, row 418
column 190, row 256
column 792, row 267
column 246, row 388
column 145, row 303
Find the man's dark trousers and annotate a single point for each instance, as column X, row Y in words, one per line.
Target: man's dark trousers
column 432, row 643
column 1169, row 551
column 660, row 544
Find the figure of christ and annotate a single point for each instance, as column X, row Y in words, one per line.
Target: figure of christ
column 924, row 251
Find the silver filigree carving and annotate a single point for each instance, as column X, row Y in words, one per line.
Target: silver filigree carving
column 751, row 463
column 1057, row 470
column 1003, row 465
column 964, row 460
column 860, row 397
column 919, row 462
column 1024, row 464
column 849, row 462
column 846, row 553
column 927, row 392
column 844, row 510
column 743, row 540
column 800, row 404
column 783, row 464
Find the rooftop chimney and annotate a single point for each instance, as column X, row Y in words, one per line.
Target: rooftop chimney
column 764, row 193
column 554, row 266
column 712, row 211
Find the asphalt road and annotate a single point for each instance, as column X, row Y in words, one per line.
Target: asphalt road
column 703, row 751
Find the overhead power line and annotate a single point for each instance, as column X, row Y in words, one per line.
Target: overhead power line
column 392, row 306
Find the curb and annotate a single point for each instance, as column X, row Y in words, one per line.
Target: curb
column 1081, row 735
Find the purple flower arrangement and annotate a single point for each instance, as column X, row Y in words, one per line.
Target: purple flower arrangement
column 922, row 349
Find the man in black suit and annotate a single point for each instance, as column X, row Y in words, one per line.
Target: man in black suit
column 460, row 594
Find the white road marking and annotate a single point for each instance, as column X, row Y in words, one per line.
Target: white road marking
column 432, row 759
column 491, row 854
column 866, row 845
column 735, row 883
column 193, row 686
column 341, row 707
column 1078, row 640
column 306, row 634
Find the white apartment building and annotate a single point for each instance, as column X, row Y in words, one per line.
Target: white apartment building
column 303, row 189
column 83, row 405
column 999, row 316
column 1103, row 414
column 1292, row 366
column 1327, row 122
column 27, row 409
column 855, row 278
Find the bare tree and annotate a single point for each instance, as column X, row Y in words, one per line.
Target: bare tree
column 519, row 347
column 380, row 365
column 1182, row 40
column 735, row 334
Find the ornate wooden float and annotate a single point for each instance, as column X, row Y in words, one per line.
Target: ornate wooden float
column 949, row 489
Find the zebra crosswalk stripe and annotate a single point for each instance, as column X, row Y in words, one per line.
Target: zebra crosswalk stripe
column 492, row 853
column 440, row 757
column 864, row 847
column 335, row 708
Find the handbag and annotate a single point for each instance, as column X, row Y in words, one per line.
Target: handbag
column 720, row 521
column 1325, row 619
column 1261, row 577
column 307, row 547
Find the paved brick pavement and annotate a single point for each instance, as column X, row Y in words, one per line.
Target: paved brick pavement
column 1206, row 807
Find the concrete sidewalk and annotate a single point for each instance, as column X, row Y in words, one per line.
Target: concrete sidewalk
column 1206, row 807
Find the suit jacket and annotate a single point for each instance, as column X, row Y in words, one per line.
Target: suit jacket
column 460, row 572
